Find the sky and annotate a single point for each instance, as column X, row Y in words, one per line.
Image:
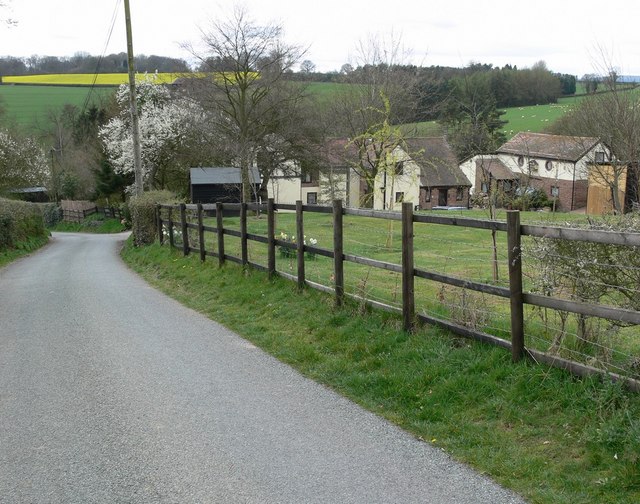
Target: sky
column 571, row 36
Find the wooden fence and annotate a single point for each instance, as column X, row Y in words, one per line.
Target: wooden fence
column 173, row 218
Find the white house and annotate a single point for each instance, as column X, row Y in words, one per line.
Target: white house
column 557, row 164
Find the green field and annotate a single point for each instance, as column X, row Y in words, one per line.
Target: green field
column 31, row 106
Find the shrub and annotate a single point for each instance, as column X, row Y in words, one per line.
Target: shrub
column 143, row 215
column 51, row 214
column 20, row 223
column 532, row 199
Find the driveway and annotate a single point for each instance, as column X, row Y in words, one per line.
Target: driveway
column 111, row 392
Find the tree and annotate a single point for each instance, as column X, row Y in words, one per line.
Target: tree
column 167, row 132
column 614, row 117
column 23, row 162
column 307, row 67
column 246, row 102
column 471, row 117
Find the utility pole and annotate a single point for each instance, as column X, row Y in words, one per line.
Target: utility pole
column 135, row 127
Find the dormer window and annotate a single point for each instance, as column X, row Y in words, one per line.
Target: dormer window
column 520, row 160
column 548, row 166
column 599, row 157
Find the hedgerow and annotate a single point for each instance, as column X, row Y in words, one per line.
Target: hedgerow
column 21, row 224
column 143, row 215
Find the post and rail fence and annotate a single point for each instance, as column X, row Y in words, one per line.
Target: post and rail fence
column 174, row 221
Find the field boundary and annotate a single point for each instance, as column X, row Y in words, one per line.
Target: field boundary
column 173, row 224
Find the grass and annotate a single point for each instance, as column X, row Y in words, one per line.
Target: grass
column 91, row 224
column 548, row 436
column 21, row 249
column 30, row 106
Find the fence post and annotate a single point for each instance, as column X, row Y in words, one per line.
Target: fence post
column 171, row 241
column 184, row 230
column 244, row 252
column 515, row 284
column 338, row 252
column 271, row 243
column 203, row 254
column 300, row 243
column 159, row 223
column 408, row 293
column 220, row 228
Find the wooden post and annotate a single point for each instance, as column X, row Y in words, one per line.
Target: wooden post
column 300, row 243
column 408, row 293
column 244, row 251
column 271, row 232
column 171, row 244
column 515, row 285
column 220, row 227
column 159, row 223
column 203, row 253
column 184, row 230
column 338, row 252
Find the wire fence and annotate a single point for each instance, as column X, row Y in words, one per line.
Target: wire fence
column 460, row 276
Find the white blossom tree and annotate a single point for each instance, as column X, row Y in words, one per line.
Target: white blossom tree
column 167, row 127
column 23, row 163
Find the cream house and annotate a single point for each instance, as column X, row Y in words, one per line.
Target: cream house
column 557, row 164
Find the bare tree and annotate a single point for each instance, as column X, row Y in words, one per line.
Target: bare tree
column 4, row 4
column 249, row 101
column 614, row 117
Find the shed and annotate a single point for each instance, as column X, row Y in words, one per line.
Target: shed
column 223, row 183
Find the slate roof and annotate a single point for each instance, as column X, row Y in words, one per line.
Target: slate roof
column 541, row 145
column 494, row 166
column 221, row 175
column 438, row 163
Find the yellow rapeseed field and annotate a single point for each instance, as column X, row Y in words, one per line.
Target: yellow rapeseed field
column 112, row 79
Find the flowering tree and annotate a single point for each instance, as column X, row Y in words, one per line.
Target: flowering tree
column 167, row 128
column 23, row 163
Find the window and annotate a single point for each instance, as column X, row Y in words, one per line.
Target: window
column 533, row 165
column 427, row 194
column 307, row 178
column 555, row 191
column 399, row 197
column 399, row 169
column 484, row 187
column 312, row 198
column 548, row 166
column 459, row 193
column 520, row 160
column 599, row 157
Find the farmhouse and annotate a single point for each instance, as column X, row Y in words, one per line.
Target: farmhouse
column 426, row 173
column 558, row 165
column 212, row 184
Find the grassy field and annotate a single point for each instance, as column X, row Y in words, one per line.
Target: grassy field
column 30, row 106
column 538, row 431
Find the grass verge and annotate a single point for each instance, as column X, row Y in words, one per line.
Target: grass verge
column 92, row 224
column 546, row 435
column 22, row 249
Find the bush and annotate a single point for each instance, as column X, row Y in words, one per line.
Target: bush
column 20, row 223
column 532, row 199
column 51, row 214
column 143, row 215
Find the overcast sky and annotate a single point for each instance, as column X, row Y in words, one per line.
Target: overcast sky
column 570, row 36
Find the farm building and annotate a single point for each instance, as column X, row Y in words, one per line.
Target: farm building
column 559, row 165
column 209, row 185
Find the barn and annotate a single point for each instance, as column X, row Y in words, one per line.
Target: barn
column 224, row 184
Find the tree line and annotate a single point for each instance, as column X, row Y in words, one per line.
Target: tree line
column 86, row 63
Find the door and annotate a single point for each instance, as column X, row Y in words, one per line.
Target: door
column 442, row 196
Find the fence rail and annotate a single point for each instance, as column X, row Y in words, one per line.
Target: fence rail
column 167, row 227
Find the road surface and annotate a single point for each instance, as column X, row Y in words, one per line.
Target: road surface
column 111, row 392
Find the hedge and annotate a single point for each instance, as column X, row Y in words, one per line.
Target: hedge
column 143, row 215
column 20, row 224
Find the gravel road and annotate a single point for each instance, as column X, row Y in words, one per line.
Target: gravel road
column 110, row 392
